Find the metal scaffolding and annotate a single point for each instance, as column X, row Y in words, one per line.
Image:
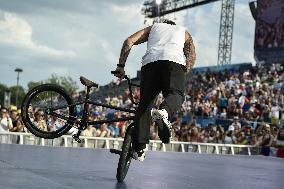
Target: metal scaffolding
column 226, row 32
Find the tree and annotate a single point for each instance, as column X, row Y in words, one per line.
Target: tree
column 67, row 82
column 33, row 84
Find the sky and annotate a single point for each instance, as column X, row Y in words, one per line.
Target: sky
column 84, row 37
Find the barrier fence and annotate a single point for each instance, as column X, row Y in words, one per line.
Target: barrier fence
column 116, row 143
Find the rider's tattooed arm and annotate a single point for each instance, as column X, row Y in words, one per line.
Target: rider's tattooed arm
column 125, row 50
column 135, row 39
column 189, row 51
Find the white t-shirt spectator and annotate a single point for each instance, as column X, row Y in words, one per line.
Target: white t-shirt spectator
column 4, row 124
column 230, row 83
column 223, row 115
column 275, row 112
column 241, row 101
column 229, row 139
column 272, row 68
column 186, row 105
column 236, row 125
column 245, row 74
column 215, row 111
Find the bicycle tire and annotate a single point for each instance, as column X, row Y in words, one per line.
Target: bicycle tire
column 125, row 155
column 30, row 125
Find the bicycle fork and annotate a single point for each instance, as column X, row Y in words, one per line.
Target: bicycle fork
column 83, row 123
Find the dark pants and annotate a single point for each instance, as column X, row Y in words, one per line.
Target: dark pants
column 165, row 76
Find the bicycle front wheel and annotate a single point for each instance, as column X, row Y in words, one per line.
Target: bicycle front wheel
column 125, row 155
column 47, row 111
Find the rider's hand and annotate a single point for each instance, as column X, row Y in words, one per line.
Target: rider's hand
column 120, row 72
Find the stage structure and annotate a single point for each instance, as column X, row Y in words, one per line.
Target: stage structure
column 156, row 9
column 269, row 31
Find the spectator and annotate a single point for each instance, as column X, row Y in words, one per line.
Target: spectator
column 229, row 136
column 54, row 124
column 236, row 124
column 183, row 133
column 241, row 139
column 223, row 115
column 20, row 125
column 279, row 143
column 275, row 111
column 5, row 121
column 264, row 139
column 114, row 129
column 14, row 118
column 31, row 113
column 103, row 131
column 220, row 135
column 90, row 131
column 194, row 135
column 40, row 120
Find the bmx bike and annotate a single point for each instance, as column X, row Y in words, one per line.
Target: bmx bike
column 56, row 114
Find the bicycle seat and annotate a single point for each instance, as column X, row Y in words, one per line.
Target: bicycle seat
column 87, row 82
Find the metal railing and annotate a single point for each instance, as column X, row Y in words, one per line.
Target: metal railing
column 116, row 143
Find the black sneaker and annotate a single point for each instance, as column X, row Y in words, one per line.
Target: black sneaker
column 164, row 126
column 163, row 131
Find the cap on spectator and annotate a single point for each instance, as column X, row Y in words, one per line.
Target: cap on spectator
column 267, row 125
column 95, row 113
column 231, row 128
column 236, row 117
column 13, row 107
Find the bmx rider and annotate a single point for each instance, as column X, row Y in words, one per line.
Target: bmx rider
column 170, row 55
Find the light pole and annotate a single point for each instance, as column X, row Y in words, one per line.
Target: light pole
column 18, row 70
column 158, row 2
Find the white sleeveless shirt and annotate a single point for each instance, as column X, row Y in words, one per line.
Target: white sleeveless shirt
column 165, row 42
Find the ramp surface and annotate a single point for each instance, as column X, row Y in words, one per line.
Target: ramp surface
column 29, row 167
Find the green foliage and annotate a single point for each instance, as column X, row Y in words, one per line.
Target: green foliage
column 33, row 84
column 67, row 82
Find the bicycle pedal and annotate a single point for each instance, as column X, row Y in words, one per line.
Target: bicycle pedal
column 115, row 151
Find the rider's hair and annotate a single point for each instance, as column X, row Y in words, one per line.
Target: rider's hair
column 169, row 22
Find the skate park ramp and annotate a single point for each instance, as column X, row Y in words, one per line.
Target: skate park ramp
column 29, row 167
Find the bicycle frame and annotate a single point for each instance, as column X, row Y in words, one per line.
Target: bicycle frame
column 86, row 102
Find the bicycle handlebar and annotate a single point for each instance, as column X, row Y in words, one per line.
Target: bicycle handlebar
column 129, row 85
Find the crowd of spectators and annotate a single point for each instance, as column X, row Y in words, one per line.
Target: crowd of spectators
column 251, row 100
column 10, row 120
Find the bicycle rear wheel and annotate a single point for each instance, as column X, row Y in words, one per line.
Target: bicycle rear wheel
column 47, row 111
column 125, row 155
